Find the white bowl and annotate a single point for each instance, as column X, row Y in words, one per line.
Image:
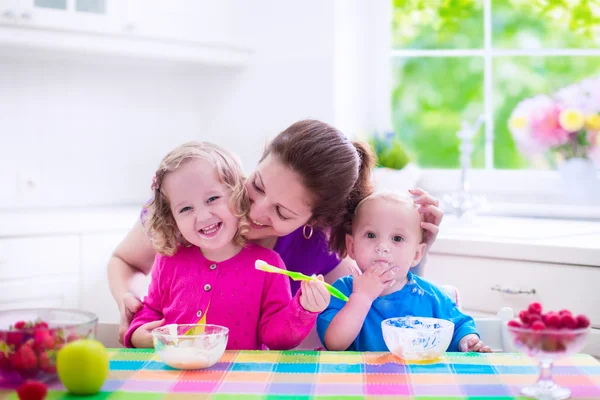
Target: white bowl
column 190, row 346
column 417, row 338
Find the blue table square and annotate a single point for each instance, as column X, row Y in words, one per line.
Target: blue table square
column 254, row 367
column 517, row 369
column 341, row 368
column 126, row 365
column 473, row 369
column 296, row 368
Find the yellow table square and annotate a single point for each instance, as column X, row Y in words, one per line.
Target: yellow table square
column 340, row 357
column 510, row 359
column 255, row 356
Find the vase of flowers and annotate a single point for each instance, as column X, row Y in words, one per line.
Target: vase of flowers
column 567, row 124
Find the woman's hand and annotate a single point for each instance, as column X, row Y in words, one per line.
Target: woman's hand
column 142, row 336
column 315, row 296
column 130, row 306
column 432, row 214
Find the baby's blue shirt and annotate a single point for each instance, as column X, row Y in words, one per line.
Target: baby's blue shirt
column 417, row 298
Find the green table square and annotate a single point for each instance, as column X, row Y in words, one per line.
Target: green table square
column 133, row 355
column 467, row 358
column 299, row 357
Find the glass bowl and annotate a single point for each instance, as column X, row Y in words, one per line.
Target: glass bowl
column 31, row 338
column 190, row 346
column 417, row 338
column 546, row 346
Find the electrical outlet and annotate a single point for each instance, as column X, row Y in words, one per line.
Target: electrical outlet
column 27, row 182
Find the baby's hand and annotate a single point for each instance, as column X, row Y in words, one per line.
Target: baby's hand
column 373, row 281
column 142, row 336
column 314, row 296
column 472, row 343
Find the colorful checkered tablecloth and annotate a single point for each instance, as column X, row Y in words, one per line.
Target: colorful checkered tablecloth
column 139, row 374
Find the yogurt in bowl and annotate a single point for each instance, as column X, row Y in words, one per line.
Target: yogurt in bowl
column 417, row 338
column 190, row 346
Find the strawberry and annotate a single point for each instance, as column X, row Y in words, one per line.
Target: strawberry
column 535, row 308
column 19, row 325
column 46, row 364
column 41, row 325
column 553, row 320
column 43, row 340
column 32, row 390
column 538, row 325
column 514, row 324
column 535, row 317
column 24, row 358
column 14, row 338
column 563, row 312
column 568, row 321
column 72, row 337
column 582, row 321
column 524, row 316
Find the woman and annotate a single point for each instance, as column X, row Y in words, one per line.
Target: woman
column 307, row 183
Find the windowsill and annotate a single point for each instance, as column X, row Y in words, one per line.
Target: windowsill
column 523, row 193
column 529, row 239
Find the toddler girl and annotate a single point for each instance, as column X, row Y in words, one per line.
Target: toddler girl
column 204, row 270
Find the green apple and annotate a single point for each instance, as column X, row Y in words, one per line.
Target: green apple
column 82, row 366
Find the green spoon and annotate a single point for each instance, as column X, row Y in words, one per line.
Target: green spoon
column 297, row 276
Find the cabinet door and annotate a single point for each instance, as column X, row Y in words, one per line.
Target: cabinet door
column 8, row 12
column 98, row 16
column 96, row 250
column 201, row 21
column 60, row 292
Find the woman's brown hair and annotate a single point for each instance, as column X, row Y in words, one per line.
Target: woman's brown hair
column 335, row 170
column 159, row 221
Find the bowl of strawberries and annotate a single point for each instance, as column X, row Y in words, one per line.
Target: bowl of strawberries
column 31, row 338
column 548, row 336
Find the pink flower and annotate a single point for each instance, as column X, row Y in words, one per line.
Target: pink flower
column 545, row 126
column 154, row 185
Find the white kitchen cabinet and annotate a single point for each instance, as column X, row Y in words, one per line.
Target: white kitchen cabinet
column 32, row 257
column 200, row 21
column 8, row 12
column 181, row 31
column 39, row 271
column 96, row 250
column 61, row 292
column 488, row 284
column 92, row 16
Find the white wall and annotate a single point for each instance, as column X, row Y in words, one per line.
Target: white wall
column 92, row 134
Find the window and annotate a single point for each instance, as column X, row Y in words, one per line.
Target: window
column 453, row 60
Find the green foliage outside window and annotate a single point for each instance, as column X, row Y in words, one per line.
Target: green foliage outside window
column 431, row 95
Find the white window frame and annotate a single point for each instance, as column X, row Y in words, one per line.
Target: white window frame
column 530, row 188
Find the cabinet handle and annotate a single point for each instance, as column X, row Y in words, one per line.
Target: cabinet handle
column 129, row 27
column 511, row 290
column 26, row 16
column 8, row 14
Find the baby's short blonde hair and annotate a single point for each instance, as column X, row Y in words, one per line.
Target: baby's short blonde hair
column 394, row 197
column 159, row 221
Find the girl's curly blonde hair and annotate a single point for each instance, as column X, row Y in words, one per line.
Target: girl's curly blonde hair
column 159, row 221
